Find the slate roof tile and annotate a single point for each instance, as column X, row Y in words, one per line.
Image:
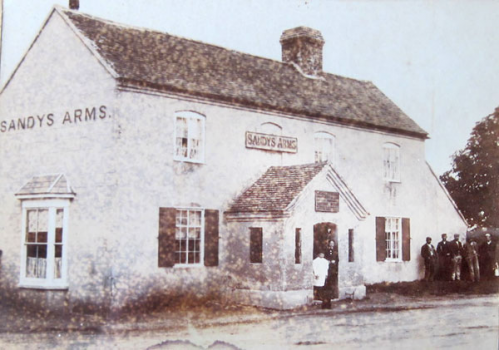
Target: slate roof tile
column 146, row 58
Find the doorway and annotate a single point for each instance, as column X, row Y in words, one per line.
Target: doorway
column 323, row 234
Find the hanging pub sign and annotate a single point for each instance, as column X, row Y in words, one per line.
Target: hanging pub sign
column 270, row 142
column 327, row 202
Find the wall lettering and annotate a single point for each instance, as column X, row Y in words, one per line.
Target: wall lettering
column 271, row 142
column 75, row 116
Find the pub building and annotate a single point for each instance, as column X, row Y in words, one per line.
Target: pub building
column 141, row 166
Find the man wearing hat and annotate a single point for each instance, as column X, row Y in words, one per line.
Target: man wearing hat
column 456, row 248
column 487, row 257
column 430, row 260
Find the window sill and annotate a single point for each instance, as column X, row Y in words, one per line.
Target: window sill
column 186, row 266
column 393, row 260
column 393, row 181
column 47, row 287
column 188, row 160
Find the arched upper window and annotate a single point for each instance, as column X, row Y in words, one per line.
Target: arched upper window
column 189, row 137
column 391, row 162
column 324, row 147
column 271, row 128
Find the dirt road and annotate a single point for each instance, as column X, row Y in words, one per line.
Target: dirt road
column 457, row 323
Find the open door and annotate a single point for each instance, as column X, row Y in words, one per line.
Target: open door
column 323, row 234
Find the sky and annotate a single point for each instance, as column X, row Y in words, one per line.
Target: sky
column 437, row 60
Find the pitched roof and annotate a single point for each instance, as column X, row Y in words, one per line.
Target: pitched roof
column 54, row 185
column 276, row 189
column 146, row 58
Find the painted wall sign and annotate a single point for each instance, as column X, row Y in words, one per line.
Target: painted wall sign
column 271, row 142
column 327, row 202
column 49, row 119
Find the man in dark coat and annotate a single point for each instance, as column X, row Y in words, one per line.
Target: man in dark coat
column 456, row 248
column 332, row 277
column 444, row 258
column 429, row 255
column 471, row 255
column 487, row 254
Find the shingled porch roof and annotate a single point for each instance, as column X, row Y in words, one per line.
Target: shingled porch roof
column 147, row 59
column 275, row 189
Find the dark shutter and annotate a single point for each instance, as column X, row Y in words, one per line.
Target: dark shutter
column 298, row 246
column 211, row 237
column 380, row 239
column 166, row 237
column 350, row 245
column 256, row 244
column 406, row 239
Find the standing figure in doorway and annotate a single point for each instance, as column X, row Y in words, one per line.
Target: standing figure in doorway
column 487, row 254
column 456, row 248
column 444, row 258
column 332, row 277
column 471, row 255
column 320, row 268
column 429, row 254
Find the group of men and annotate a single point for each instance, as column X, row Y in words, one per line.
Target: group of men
column 445, row 262
column 325, row 268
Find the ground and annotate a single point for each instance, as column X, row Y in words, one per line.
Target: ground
column 404, row 315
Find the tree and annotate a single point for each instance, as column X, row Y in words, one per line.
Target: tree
column 473, row 181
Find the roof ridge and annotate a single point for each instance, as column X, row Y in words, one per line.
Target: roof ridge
column 158, row 31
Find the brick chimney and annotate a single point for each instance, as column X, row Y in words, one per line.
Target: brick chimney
column 303, row 46
column 74, row 4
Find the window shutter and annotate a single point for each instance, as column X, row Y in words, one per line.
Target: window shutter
column 211, row 237
column 380, row 239
column 166, row 237
column 406, row 239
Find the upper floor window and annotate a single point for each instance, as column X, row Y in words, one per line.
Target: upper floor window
column 189, row 137
column 391, row 162
column 324, row 147
column 44, row 251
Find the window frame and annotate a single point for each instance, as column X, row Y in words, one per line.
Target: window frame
column 390, row 241
column 49, row 282
column 324, row 135
column 189, row 116
column 201, row 241
column 387, row 173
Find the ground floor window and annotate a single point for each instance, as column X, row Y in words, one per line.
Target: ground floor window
column 188, row 235
column 393, row 239
column 44, row 235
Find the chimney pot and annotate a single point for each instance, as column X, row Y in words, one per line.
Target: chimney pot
column 303, row 46
column 74, row 4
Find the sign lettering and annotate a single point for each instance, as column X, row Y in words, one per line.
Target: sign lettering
column 271, row 142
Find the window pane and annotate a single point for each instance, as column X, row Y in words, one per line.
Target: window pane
column 32, row 221
column 195, row 233
column 58, row 268
column 43, row 215
column 195, row 218
column 31, row 237
column 42, row 237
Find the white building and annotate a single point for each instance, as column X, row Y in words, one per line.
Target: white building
column 138, row 166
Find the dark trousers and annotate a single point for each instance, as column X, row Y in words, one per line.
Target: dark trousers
column 323, row 294
column 430, row 268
